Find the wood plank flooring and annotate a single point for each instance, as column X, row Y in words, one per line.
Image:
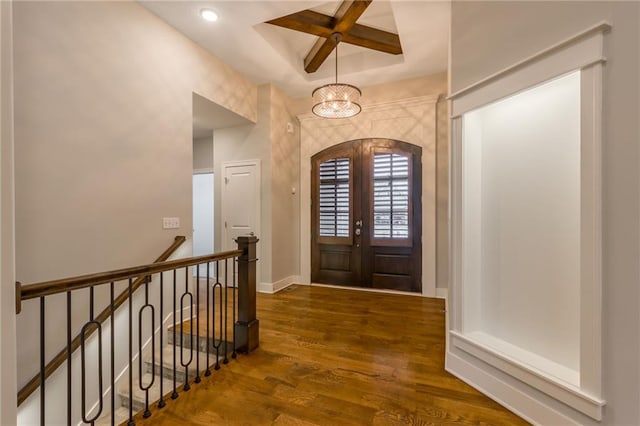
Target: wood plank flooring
column 338, row 357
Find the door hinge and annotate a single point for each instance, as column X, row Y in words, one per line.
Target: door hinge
column 225, row 223
column 226, row 181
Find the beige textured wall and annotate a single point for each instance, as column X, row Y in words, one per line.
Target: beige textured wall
column 285, row 175
column 7, row 273
column 103, row 95
column 396, row 91
column 442, row 194
column 488, row 36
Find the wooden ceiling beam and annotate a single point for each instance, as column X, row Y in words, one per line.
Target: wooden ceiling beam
column 318, row 54
column 345, row 18
column 307, row 21
column 348, row 13
column 344, row 22
column 318, row 24
column 371, row 38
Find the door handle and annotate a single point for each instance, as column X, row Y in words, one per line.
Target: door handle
column 359, row 222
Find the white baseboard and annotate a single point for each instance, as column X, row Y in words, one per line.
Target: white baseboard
column 442, row 293
column 271, row 288
column 521, row 403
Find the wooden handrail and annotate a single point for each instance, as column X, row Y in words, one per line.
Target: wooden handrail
column 59, row 359
column 48, row 288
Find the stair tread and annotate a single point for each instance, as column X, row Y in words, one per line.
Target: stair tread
column 167, row 358
column 200, row 339
column 139, row 394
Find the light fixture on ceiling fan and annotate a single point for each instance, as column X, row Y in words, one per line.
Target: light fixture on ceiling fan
column 336, row 100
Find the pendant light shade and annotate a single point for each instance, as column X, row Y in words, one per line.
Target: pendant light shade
column 336, row 100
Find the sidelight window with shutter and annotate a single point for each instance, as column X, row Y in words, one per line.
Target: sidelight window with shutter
column 391, row 203
column 335, row 198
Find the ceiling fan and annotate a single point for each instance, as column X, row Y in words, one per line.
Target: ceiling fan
column 340, row 27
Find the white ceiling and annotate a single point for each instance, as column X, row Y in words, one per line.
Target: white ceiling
column 266, row 53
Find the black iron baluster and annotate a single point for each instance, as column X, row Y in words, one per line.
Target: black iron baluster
column 218, row 342
column 212, row 343
column 131, row 422
column 146, row 388
column 83, row 332
column 42, row 363
column 233, row 307
column 213, row 315
column 174, row 394
column 161, row 402
column 69, row 358
column 226, row 312
column 187, row 293
column 112, row 371
column 208, row 372
column 197, row 379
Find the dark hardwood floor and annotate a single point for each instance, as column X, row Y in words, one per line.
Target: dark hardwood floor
column 338, row 357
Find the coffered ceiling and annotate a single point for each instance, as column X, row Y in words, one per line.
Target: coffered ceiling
column 268, row 53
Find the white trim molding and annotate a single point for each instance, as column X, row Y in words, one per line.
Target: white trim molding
column 506, row 392
column 588, row 57
column 564, row 392
column 579, row 51
column 442, row 293
column 540, row 390
column 272, row 288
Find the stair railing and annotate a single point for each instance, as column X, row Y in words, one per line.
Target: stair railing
column 61, row 357
column 230, row 280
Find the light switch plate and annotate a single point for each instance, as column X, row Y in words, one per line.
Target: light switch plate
column 170, row 222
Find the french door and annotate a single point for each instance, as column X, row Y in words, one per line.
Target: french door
column 366, row 215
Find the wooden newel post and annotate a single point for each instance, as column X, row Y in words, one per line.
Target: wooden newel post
column 247, row 326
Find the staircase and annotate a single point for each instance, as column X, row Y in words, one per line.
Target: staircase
column 147, row 292
column 165, row 373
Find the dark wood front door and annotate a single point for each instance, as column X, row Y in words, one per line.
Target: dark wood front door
column 366, row 215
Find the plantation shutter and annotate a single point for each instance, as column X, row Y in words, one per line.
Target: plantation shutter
column 391, row 203
column 334, row 198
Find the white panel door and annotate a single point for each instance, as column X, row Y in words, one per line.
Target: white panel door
column 240, row 201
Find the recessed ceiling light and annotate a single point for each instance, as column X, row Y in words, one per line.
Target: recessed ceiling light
column 209, row 15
